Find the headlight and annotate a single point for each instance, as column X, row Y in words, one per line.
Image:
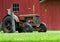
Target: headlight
column 37, row 26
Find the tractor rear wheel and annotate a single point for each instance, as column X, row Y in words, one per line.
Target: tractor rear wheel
column 7, row 25
column 42, row 28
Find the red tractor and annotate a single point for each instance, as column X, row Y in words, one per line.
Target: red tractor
column 22, row 23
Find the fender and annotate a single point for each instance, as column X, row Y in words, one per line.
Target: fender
column 16, row 18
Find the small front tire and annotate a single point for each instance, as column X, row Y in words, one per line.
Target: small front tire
column 43, row 28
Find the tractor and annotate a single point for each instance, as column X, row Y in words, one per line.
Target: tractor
column 22, row 23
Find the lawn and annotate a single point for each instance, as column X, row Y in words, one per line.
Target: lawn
column 49, row 36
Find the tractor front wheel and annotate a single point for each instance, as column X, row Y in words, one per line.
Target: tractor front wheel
column 28, row 28
column 42, row 28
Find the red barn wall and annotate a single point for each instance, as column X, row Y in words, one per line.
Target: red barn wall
column 50, row 14
column 25, row 6
column 48, row 10
column 1, row 11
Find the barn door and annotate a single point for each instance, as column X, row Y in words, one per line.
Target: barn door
column 51, row 12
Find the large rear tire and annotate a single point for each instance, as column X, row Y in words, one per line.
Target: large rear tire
column 7, row 25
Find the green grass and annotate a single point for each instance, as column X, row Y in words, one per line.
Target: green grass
column 49, row 36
